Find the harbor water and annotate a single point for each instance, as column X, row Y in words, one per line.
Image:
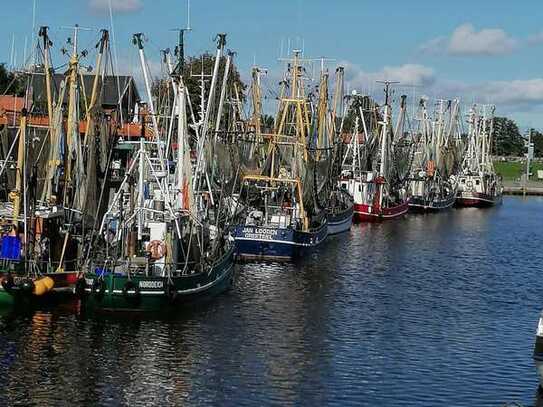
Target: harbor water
column 427, row 310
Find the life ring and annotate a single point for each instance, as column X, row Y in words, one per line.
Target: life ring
column 156, row 249
column 80, row 287
column 131, row 290
column 98, row 288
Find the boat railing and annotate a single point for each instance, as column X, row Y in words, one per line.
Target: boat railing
column 127, row 268
column 37, row 266
column 149, row 268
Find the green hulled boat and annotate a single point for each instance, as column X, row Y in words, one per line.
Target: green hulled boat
column 163, row 240
column 110, row 290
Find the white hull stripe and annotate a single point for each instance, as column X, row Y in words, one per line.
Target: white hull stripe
column 188, row 291
column 380, row 216
column 289, row 242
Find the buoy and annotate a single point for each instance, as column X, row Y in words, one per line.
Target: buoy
column 43, row 285
column 538, row 349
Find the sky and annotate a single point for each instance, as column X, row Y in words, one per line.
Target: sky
column 485, row 51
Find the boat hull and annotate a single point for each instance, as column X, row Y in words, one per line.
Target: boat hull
column 273, row 243
column 420, row 204
column 477, row 199
column 340, row 222
column 156, row 293
column 63, row 289
column 367, row 213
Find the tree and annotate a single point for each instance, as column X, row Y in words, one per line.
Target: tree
column 203, row 65
column 193, row 69
column 10, row 83
column 537, row 139
column 507, row 137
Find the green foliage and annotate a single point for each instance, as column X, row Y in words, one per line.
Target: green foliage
column 368, row 106
column 512, row 170
column 9, row 83
column 507, row 138
column 203, row 64
column 537, row 139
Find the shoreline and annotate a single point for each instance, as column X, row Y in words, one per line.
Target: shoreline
column 515, row 188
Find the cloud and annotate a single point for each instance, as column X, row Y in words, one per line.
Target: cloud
column 118, row 6
column 466, row 40
column 535, row 39
column 407, row 74
column 510, row 97
column 516, row 93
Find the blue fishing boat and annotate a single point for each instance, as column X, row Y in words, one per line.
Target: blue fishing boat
column 282, row 216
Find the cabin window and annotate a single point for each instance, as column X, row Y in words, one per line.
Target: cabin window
column 344, row 185
column 359, row 188
column 463, row 181
column 477, row 182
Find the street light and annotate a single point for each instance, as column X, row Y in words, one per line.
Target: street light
column 529, row 155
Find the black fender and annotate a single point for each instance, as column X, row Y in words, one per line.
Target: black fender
column 99, row 287
column 80, row 287
column 8, row 283
column 131, row 290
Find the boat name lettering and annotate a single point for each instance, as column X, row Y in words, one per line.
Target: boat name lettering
column 151, row 284
column 263, row 234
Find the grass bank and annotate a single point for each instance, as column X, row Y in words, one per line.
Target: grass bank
column 512, row 170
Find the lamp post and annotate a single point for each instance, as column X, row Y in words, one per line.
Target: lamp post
column 529, row 156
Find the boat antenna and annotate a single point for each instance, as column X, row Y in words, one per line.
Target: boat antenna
column 387, row 89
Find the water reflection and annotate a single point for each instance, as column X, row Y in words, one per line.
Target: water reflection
column 425, row 311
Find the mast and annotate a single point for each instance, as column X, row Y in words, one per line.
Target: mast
column 322, row 110
column 256, row 91
column 221, row 42
column 338, row 96
column 103, row 46
column 223, row 92
column 137, row 39
column 46, row 44
column 383, row 168
column 72, row 122
column 15, row 195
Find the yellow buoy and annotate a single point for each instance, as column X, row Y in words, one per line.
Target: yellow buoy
column 43, row 285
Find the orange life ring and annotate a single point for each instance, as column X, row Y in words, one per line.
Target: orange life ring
column 157, row 249
column 430, row 168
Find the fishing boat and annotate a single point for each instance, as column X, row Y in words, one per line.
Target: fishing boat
column 55, row 181
column 339, row 203
column 374, row 167
column 163, row 241
column 479, row 185
column 340, row 212
column 282, row 218
column 434, row 175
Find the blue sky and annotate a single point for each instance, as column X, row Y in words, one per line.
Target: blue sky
column 486, row 51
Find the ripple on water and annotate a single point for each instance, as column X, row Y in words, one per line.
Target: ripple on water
column 427, row 310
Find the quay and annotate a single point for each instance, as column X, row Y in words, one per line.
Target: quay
column 518, row 188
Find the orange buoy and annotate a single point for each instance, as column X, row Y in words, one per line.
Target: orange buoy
column 43, row 285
